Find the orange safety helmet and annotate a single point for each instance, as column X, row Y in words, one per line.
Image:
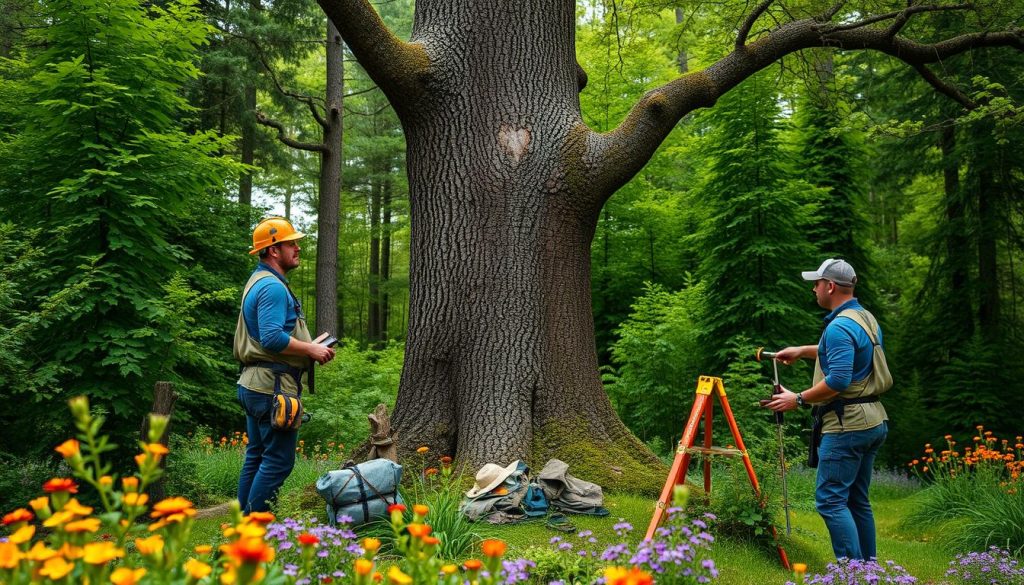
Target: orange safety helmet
column 271, row 231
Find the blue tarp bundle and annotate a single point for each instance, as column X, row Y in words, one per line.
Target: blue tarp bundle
column 362, row 491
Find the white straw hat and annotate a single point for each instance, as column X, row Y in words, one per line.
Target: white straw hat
column 490, row 476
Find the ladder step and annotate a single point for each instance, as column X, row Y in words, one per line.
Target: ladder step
column 712, row 451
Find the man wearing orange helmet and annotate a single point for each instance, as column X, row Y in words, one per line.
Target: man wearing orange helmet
column 275, row 348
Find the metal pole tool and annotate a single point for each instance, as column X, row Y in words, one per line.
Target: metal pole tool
column 776, row 389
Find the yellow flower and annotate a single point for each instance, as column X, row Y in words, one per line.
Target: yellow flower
column 84, row 525
column 74, row 507
column 151, row 545
column 22, row 535
column 420, row 510
column 371, row 545
column 126, row 576
column 449, row 569
column 171, row 506
column 157, row 449
column 397, row 577
column 70, row 551
column 40, row 553
column 56, row 568
column 10, row 556
column 68, row 449
column 59, row 519
column 130, row 484
column 133, row 499
column 40, row 503
column 106, row 481
column 197, row 569
column 799, row 568
column 203, row 549
column 422, row 449
column 101, row 553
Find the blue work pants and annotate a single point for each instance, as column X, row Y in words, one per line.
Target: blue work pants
column 844, row 476
column 269, row 457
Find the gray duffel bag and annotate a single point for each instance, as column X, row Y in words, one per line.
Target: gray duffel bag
column 362, row 492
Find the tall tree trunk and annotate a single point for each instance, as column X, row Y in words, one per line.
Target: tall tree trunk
column 373, row 310
column 248, row 144
column 385, row 259
column 501, row 361
column 328, row 213
column 957, row 245
column 988, row 277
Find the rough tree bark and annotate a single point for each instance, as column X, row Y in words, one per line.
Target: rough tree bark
column 506, row 186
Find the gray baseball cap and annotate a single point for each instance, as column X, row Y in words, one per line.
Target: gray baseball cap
column 834, row 269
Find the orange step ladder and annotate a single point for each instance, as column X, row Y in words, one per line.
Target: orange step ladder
column 703, row 408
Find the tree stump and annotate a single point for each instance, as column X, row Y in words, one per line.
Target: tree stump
column 382, row 442
column 164, row 398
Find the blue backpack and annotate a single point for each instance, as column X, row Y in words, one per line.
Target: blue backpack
column 535, row 503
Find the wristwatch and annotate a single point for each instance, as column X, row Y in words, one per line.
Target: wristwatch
column 800, row 400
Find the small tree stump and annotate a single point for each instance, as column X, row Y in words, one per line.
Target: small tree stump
column 382, row 442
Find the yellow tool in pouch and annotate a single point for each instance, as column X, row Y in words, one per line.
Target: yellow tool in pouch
column 286, row 414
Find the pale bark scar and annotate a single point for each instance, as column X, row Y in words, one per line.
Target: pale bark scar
column 515, row 142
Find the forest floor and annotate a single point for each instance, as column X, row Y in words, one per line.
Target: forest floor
column 740, row 562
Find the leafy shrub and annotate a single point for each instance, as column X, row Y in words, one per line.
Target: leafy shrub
column 349, row 388
column 978, row 488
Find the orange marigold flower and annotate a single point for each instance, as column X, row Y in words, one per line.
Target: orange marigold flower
column 56, row 568
column 101, row 553
column 473, row 565
column 19, row 515
column 40, row 503
column 60, row 484
column 40, row 553
column 106, row 480
column 85, row 525
column 371, row 545
column 150, row 545
column 126, row 576
column 260, row 517
column 363, row 567
column 197, row 569
column 420, row 510
column 157, row 449
column 925, row 469
column 446, row 460
column 377, row 577
column 203, row 549
column 68, row 449
column 307, row 539
column 10, row 556
column 430, row 471
column 396, row 508
column 418, row 530
column 449, row 569
column 175, row 505
column 431, row 541
column 493, row 547
column 70, row 551
column 423, row 449
column 621, row 576
column 249, row 550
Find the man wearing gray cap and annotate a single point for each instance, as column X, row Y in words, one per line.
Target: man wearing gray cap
column 849, row 421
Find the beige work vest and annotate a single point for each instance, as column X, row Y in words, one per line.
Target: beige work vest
column 247, row 350
column 859, row 417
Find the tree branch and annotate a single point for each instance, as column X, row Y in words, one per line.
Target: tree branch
column 741, row 37
column 394, row 65
column 613, row 158
column 947, row 89
column 283, row 137
column 901, row 17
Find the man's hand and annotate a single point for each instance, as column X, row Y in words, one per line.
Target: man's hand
column 783, row 401
column 791, row 354
column 320, row 354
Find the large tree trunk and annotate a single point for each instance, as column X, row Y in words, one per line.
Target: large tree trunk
column 501, row 361
column 328, row 214
column 506, row 185
column 385, row 260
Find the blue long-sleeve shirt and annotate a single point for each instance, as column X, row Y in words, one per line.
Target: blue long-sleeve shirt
column 845, row 350
column 270, row 311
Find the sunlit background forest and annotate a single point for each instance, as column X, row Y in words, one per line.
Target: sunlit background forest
column 130, row 273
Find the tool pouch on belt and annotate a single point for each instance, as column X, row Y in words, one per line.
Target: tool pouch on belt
column 818, row 413
column 286, row 413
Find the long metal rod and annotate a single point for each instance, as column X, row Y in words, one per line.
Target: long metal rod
column 782, row 449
